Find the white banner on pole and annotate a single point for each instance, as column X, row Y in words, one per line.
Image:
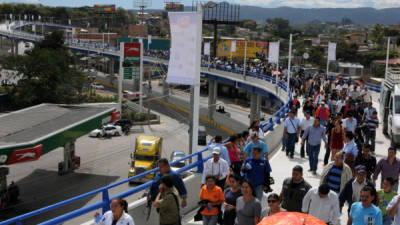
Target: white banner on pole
column 273, row 52
column 34, row 27
column 10, row 16
column 88, row 24
column 73, row 31
column 69, row 22
column 25, row 17
column 39, row 17
column 33, row 17
column 233, row 46
column 332, row 51
column 149, row 39
column 207, row 48
column 182, row 63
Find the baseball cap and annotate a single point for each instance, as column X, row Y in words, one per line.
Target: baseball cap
column 361, row 168
column 216, row 150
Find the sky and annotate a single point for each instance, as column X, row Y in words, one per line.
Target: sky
column 158, row 4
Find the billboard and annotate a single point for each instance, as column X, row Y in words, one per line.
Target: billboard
column 174, row 6
column 255, row 49
column 131, row 62
column 104, row 8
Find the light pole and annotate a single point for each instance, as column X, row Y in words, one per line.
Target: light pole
column 290, row 60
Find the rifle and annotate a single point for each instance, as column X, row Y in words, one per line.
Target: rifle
column 148, row 207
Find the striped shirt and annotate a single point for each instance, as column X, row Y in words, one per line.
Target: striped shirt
column 334, row 177
column 372, row 123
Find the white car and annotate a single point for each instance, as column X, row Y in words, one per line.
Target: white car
column 107, row 130
column 132, row 95
column 97, row 86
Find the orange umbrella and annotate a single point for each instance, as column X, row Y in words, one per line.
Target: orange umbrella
column 291, row 218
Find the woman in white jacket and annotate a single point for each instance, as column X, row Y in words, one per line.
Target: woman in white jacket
column 117, row 215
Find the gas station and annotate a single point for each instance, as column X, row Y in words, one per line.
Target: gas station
column 27, row 134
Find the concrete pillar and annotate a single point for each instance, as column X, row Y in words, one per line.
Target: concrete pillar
column 258, row 106
column 253, row 107
column 165, row 88
column 111, row 67
column 212, row 97
column 67, row 166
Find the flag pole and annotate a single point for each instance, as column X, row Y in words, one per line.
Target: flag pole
column 387, row 57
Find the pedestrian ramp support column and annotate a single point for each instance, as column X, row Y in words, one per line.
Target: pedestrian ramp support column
column 258, row 106
column 111, row 67
column 165, row 88
column 212, row 97
column 253, row 107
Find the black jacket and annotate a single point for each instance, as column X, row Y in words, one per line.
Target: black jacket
column 346, row 195
column 293, row 194
column 370, row 164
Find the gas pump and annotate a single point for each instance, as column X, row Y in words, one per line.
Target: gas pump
column 8, row 194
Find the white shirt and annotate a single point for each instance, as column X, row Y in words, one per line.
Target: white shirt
column 306, row 123
column 366, row 96
column 340, row 104
column 326, row 209
column 357, row 189
column 108, row 217
column 397, row 215
column 339, row 87
column 215, row 168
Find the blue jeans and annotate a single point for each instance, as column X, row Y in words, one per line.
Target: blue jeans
column 259, row 191
column 386, row 220
column 313, row 152
column 210, row 220
column 324, row 122
column 291, row 141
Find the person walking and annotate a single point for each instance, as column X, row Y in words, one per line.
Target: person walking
column 350, row 150
column 274, row 206
column 367, row 160
column 293, row 190
column 385, row 196
column 257, row 170
column 292, row 132
column 365, row 212
column 336, row 138
column 248, row 207
column 167, row 202
column 223, row 149
column 314, row 134
column 322, row 113
column 255, row 143
column 323, row 204
column 165, row 169
column 388, row 167
column 336, row 173
column 211, row 197
column 351, row 191
column 350, row 123
column 118, row 215
column 234, row 153
column 305, row 123
column 232, row 193
column 217, row 167
column 373, row 123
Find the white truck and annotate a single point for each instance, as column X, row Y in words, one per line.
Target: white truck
column 389, row 109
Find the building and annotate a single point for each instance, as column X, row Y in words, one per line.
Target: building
column 350, row 69
column 135, row 30
column 357, row 38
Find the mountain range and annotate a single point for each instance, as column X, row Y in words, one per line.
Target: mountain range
column 298, row 16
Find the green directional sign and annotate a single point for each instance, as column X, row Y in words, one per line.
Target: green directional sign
column 128, row 73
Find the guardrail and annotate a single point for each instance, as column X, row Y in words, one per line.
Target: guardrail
column 105, row 203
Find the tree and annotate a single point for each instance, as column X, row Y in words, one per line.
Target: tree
column 377, row 34
column 347, row 52
column 278, row 27
column 317, row 56
column 249, row 24
column 46, row 75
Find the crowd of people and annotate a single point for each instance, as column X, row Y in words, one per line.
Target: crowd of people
column 337, row 112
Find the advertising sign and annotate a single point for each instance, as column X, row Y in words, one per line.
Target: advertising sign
column 182, row 63
column 255, row 49
column 131, row 62
column 104, row 8
column 26, row 154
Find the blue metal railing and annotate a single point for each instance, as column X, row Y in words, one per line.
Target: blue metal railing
column 105, row 203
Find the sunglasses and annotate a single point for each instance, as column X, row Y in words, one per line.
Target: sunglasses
column 272, row 201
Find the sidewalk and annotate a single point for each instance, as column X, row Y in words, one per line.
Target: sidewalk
column 282, row 167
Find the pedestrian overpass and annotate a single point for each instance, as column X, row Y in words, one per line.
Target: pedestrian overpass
column 258, row 84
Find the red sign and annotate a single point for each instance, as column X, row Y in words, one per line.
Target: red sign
column 131, row 49
column 26, row 154
column 116, row 115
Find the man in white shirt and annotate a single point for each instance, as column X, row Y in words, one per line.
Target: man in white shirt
column 393, row 210
column 217, row 167
column 340, row 104
column 323, row 204
column 304, row 124
column 366, row 95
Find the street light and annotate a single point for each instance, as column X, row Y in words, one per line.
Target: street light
column 290, row 60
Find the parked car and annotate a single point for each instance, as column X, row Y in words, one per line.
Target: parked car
column 177, row 155
column 131, row 95
column 125, row 124
column 97, row 86
column 202, row 136
column 107, row 130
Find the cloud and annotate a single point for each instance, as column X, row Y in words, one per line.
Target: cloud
column 322, row 3
column 22, row 1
